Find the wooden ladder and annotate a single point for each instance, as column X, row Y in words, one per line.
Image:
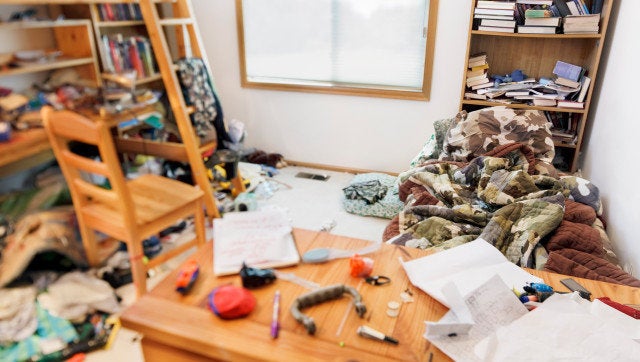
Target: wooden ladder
column 189, row 43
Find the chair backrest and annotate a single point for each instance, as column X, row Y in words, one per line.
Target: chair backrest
column 64, row 127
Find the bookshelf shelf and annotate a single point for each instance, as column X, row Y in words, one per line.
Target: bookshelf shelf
column 520, row 106
column 548, row 36
column 41, row 67
column 17, row 25
column 73, row 39
column 536, row 56
column 119, row 23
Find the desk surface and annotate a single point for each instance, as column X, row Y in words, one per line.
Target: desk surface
column 177, row 326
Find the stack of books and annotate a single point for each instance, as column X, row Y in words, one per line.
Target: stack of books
column 581, row 24
column 477, row 76
column 573, row 83
column 495, row 16
column 121, row 54
column 564, row 126
column 538, row 17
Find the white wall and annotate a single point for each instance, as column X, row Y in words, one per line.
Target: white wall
column 355, row 132
column 612, row 150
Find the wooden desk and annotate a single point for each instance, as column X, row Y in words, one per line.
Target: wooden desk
column 181, row 328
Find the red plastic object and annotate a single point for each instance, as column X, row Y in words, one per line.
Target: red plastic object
column 188, row 275
column 360, row 267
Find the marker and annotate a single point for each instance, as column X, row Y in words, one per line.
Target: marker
column 369, row 332
column 275, row 323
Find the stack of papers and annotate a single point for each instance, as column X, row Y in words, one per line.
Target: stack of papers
column 261, row 239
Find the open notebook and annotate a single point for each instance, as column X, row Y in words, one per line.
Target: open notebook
column 261, row 239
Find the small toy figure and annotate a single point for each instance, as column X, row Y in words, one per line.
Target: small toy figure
column 187, row 277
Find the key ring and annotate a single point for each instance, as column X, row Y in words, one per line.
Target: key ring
column 377, row 280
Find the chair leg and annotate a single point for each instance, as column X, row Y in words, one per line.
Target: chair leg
column 199, row 223
column 89, row 242
column 138, row 269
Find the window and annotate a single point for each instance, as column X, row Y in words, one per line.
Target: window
column 374, row 48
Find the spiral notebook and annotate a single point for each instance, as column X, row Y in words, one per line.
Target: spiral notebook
column 261, row 239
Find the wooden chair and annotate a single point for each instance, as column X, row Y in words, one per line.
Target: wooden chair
column 130, row 210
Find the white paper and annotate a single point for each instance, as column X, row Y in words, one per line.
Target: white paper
column 563, row 328
column 491, row 306
column 261, row 239
column 468, row 266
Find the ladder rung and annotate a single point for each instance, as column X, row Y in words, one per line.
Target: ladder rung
column 176, row 21
column 190, row 109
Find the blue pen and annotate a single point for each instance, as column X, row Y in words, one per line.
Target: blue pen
column 275, row 323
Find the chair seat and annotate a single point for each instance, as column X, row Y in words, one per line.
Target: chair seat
column 155, row 197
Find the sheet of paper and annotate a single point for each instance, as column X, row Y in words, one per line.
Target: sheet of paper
column 468, row 266
column 491, row 306
column 563, row 328
column 261, row 239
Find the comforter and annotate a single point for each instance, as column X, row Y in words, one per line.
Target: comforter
column 536, row 221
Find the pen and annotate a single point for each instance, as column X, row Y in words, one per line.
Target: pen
column 275, row 323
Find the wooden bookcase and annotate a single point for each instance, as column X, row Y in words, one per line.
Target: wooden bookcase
column 74, row 38
column 536, row 56
column 182, row 39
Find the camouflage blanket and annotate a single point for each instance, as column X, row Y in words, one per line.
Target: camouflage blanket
column 501, row 198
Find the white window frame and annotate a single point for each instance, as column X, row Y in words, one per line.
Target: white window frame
column 341, row 88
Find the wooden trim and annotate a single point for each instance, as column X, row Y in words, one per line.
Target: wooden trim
column 335, row 168
column 422, row 94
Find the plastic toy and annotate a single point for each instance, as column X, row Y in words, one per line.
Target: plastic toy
column 187, row 277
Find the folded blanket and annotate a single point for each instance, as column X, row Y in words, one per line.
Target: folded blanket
column 584, row 265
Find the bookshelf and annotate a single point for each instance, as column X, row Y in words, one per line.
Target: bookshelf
column 74, row 39
column 81, row 51
column 536, row 55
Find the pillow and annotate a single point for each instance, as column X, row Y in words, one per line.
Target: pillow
column 475, row 133
column 433, row 147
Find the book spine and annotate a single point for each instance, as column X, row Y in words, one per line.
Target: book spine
column 109, row 12
column 134, row 58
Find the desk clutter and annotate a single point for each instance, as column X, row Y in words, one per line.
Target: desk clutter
column 491, row 315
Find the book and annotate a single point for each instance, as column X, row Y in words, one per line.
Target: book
column 496, row 29
column 580, row 28
column 553, row 21
column 485, row 4
column 493, row 11
column 477, row 57
column 535, row 2
column 573, row 8
column 517, row 93
column 478, row 87
column 478, row 65
column 567, row 70
column 567, row 82
column 493, row 16
column 562, row 7
column 538, row 13
column 471, row 95
column 596, row 6
column 543, row 102
column 530, row 29
column 471, row 83
column 586, row 81
column 570, row 104
column 582, row 6
column 496, row 22
column 261, row 239
column 482, row 76
column 582, row 19
column 475, row 73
